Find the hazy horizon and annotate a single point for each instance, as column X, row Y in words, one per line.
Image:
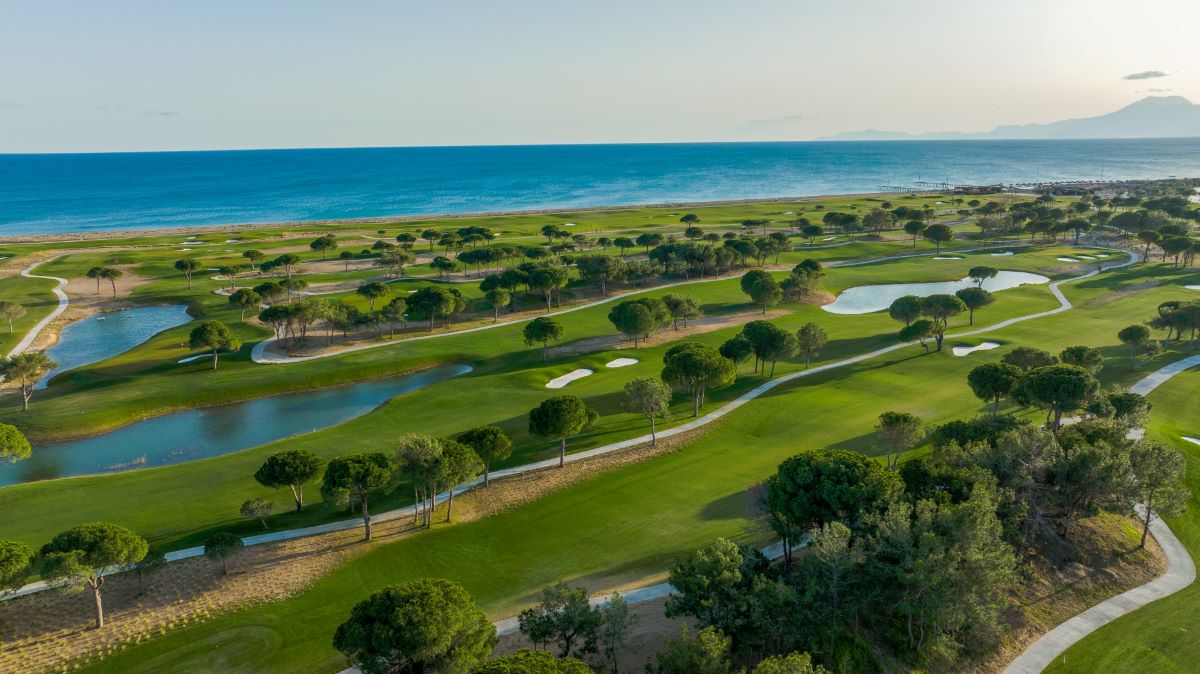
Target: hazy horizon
column 141, row 76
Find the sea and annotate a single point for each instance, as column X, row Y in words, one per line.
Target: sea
column 75, row 193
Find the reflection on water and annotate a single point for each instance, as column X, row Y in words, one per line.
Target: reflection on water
column 103, row 336
column 213, row 431
column 865, row 299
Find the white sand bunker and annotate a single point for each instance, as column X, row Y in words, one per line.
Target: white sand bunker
column 1194, row 441
column 559, row 382
column 1102, row 255
column 967, row 350
column 191, row 358
column 1085, row 257
column 1192, row 287
column 1068, row 259
column 1002, row 254
column 621, row 362
column 946, row 257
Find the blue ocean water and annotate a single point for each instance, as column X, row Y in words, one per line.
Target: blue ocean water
column 88, row 192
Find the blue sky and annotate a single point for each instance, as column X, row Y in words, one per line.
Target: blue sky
column 125, row 75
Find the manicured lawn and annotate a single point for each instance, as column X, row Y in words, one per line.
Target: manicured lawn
column 630, row 524
column 1160, row 637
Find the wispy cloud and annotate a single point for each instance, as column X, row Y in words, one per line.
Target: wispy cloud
column 1145, row 75
column 164, row 113
column 1158, row 91
column 775, row 122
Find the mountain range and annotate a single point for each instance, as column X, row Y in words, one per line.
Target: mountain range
column 1151, row 117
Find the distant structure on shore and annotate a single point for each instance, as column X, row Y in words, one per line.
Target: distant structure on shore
column 1065, row 188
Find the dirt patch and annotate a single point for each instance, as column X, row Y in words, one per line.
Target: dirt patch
column 48, row 630
column 650, row 632
column 697, row 326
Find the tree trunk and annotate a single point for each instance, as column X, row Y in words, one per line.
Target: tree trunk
column 98, row 603
column 487, row 467
column 214, row 359
column 1146, row 526
column 450, row 504
column 366, row 519
column 298, row 495
column 696, row 403
column 562, row 452
column 653, row 437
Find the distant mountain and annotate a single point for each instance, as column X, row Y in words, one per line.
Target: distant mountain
column 1151, row 117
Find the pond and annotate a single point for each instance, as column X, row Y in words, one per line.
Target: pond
column 212, row 431
column 866, row 299
column 109, row 334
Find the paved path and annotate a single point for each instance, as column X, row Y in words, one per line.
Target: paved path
column 1181, row 571
column 1064, row 305
column 27, row 340
column 259, row 353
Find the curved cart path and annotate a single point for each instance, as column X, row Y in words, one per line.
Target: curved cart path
column 30, row 336
column 259, row 353
column 1181, row 572
column 1064, row 305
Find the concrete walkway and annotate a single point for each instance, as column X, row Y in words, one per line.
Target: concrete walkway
column 1181, row 571
column 30, row 336
column 1064, row 305
column 259, row 355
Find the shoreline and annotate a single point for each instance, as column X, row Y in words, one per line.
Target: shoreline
column 100, row 235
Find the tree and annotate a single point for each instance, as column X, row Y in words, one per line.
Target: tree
column 940, row 309
column 324, row 244
column 154, row 561
column 257, row 508
column 918, row 331
column 992, row 381
column 762, row 288
column 288, row 261
column 96, row 273
column 914, row 228
column 690, row 219
column 548, row 279
column 357, row 475
column 706, row 653
column 770, row 342
column 1083, row 356
column 1026, row 358
column 899, row 432
column 188, row 266
column 650, row 398
column 561, row 417
column 221, row 546
column 1059, row 389
column 214, row 335
column 269, row 291
column 939, row 234
column 638, row 318
column 696, row 368
column 974, row 298
column 1158, row 482
column 1148, row 237
column 427, row 625
column 76, row 559
column 616, row 626
column 682, row 308
column 11, row 311
column 372, row 292
column 563, row 616
column 434, row 302
column 982, row 273
column 737, row 349
column 1136, row 337
column 14, row 446
column 905, row 309
column 526, row 661
column 498, row 297
column 792, row 663
column 600, row 270
column 810, row 339
column 542, row 330
column 394, row 312
column 26, row 369
column 15, row 559
column 458, row 464
column 112, row 275
column 245, row 298
column 714, row 585
column 490, row 443
column 830, row 485
column 253, row 256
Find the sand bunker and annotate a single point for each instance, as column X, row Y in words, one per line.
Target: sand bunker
column 967, row 350
column 192, row 358
column 940, row 257
column 1002, row 254
column 1067, row 259
column 621, row 362
column 559, row 382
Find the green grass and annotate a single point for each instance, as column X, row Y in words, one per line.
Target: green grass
column 1160, row 637
column 32, row 293
column 180, row 505
column 631, row 523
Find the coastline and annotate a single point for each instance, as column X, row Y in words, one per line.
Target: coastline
column 117, row 234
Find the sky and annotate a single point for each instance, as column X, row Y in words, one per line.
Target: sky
column 120, row 75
